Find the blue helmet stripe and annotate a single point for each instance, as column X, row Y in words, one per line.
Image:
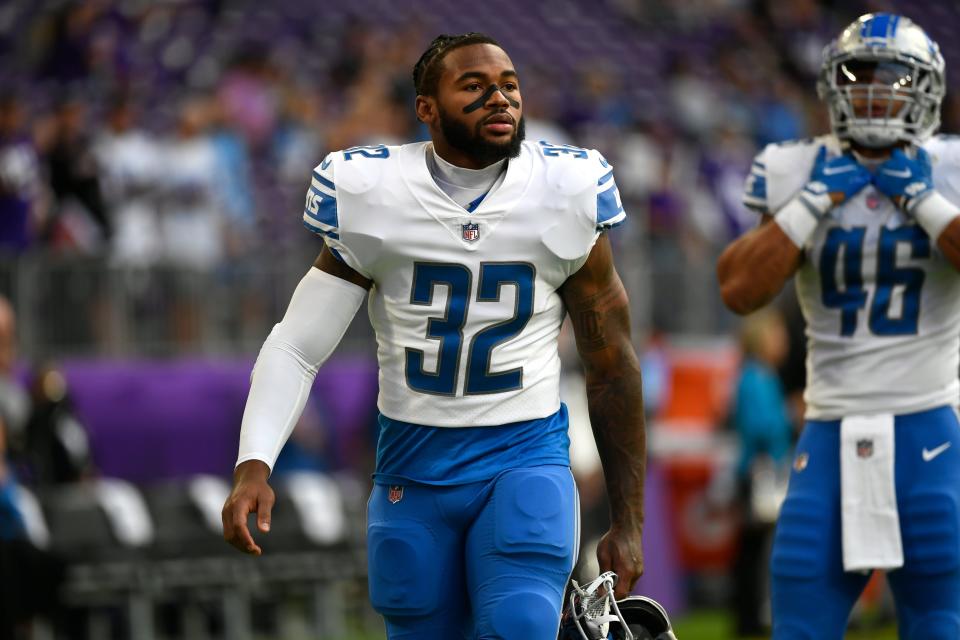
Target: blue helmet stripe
column 880, row 25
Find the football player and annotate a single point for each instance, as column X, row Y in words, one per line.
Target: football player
column 469, row 250
column 866, row 220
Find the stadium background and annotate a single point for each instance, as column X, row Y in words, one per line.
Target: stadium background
column 153, row 162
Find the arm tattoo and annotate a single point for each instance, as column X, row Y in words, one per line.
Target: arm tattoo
column 616, row 415
column 593, row 317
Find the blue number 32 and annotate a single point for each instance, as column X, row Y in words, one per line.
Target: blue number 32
column 853, row 297
column 448, row 330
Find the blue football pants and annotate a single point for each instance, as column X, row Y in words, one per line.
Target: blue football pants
column 811, row 594
column 477, row 561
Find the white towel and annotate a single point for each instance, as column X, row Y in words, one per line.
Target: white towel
column 868, row 497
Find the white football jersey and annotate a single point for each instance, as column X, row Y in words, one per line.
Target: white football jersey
column 464, row 305
column 881, row 302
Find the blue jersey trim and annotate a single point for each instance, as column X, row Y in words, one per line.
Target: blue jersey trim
column 317, row 230
column 327, row 183
column 336, row 254
column 607, row 205
column 476, row 203
column 419, row 454
column 326, row 206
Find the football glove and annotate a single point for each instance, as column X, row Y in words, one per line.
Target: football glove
column 839, row 176
column 905, row 180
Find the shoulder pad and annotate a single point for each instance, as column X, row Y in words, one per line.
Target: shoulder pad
column 793, row 155
column 944, row 153
column 787, row 166
column 943, row 148
column 568, row 169
column 359, row 168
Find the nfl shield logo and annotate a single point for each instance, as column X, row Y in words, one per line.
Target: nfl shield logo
column 864, row 448
column 396, row 494
column 801, row 461
column 471, row 231
column 873, row 200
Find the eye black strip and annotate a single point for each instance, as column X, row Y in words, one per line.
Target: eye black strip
column 482, row 100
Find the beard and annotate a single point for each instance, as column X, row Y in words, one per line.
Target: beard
column 485, row 152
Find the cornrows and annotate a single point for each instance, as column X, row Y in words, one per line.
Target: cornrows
column 427, row 71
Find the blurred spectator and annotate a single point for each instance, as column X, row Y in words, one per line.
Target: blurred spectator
column 248, row 97
column 67, row 36
column 762, row 423
column 234, row 181
column 678, row 98
column 655, row 367
column 12, row 524
column 14, row 400
column 793, row 369
column 128, row 160
column 57, row 449
column 30, row 578
column 21, row 189
column 191, row 223
column 81, row 221
column 296, row 141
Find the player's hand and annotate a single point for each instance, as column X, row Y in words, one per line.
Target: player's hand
column 620, row 551
column 251, row 494
column 905, row 180
column 833, row 181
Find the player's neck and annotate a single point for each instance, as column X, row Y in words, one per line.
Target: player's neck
column 458, row 158
column 465, row 176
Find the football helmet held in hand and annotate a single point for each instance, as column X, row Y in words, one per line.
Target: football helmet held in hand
column 591, row 613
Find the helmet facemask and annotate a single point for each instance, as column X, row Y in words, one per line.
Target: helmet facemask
column 590, row 607
column 592, row 613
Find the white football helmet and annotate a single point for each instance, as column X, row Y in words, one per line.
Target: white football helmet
column 883, row 81
column 591, row 613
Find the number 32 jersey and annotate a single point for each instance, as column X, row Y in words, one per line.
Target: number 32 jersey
column 464, row 304
column 881, row 302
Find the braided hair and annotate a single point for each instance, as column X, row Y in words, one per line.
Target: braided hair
column 427, row 71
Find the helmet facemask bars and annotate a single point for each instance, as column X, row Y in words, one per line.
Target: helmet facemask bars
column 883, row 89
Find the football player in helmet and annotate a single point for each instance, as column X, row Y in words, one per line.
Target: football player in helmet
column 592, row 613
column 866, row 219
column 469, row 250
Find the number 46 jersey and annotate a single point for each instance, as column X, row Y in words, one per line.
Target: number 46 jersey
column 882, row 304
column 464, row 303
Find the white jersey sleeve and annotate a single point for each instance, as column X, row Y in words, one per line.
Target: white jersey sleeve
column 944, row 153
column 323, row 213
column 609, row 211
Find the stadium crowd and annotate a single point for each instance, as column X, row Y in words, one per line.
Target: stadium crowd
column 181, row 134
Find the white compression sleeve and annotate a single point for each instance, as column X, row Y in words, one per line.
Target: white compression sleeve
column 319, row 313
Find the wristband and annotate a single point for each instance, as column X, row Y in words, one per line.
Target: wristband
column 798, row 219
column 934, row 213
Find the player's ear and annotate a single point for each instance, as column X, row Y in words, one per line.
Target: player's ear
column 426, row 109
